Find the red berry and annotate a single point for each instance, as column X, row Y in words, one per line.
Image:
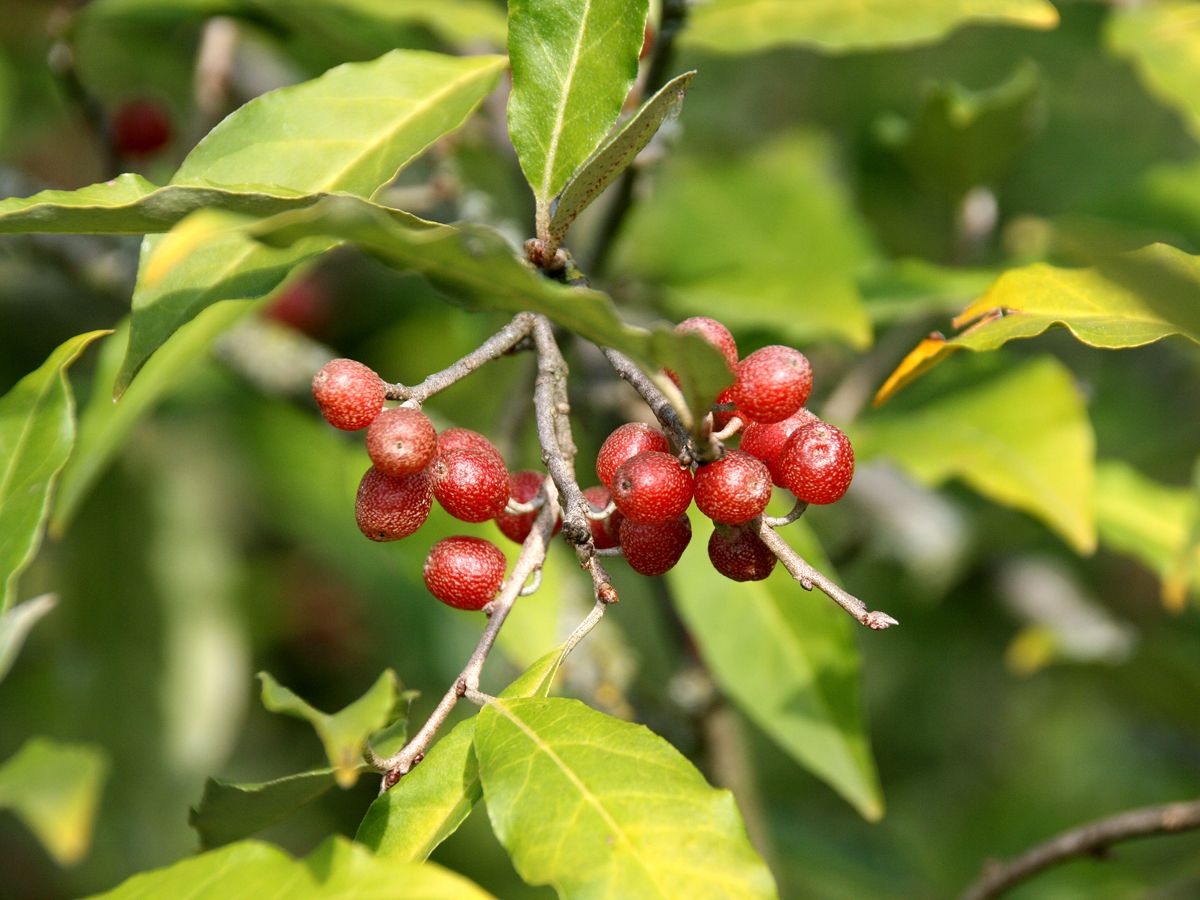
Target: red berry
column 767, row 441
column 625, row 443
column 734, row 489
column 464, row 572
column 721, row 417
column 471, row 485
column 772, row 383
column 654, row 549
column 523, row 486
column 465, row 439
column 141, row 128
column 304, row 305
column 349, row 394
column 738, row 553
column 388, row 508
column 652, row 488
column 605, row 532
column 817, row 463
column 401, row 441
column 713, row 332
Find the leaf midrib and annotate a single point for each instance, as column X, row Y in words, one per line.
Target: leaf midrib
column 561, row 112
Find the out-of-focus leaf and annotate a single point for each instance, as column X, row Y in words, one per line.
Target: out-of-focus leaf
column 573, row 63
column 16, row 624
column 1150, row 521
column 749, row 26
column 1162, row 41
column 37, row 432
column 54, row 788
column 252, row 870
column 352, row 129
column 429, row 803
column 1124, row 301
column 229, row 811
column 596, row 806
column 1021, row 438
column 802, row 683
column 616, row 156
column 344, row 734
column 475, row 265
column 907, row 288
column 769, row 240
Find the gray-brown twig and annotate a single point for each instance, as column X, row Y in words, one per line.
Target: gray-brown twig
column 662, row 408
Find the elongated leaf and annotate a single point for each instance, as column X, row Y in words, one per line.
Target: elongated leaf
column 599, row 807
column 344, row 734
column 476, row 265
column 54, row 789
column 750, row 26
column 802, row 684
column 229, row 811
column 1162, row 40
column 429, row 803
column 350, row 130
column 253, row 870
column 616, row 156
column 1021, row 438
column 37, row 431
column 16, row 624
column 573, row 62
column 1124, row 301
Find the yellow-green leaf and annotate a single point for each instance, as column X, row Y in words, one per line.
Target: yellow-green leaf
column 1162, row 41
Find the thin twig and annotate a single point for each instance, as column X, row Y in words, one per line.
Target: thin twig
column 499, row 344
column 809, row 578
column 779, row 521
column 1092, row 839
column 662, row 408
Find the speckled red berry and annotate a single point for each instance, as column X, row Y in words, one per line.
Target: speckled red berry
column 388, row 508
column 471, row 485
column 523, row 486
column 652, row 488
column 767, row 441
column 817, row 463
column 716, row 334
column 655, row 549
column 349, row 394
column 464, row 572
column 734, row 489
column 772, row 383
column 141, row 128
column 625, row 443
column 466, row 439
column 738, row 553
column 401, row 441
column 605, row 532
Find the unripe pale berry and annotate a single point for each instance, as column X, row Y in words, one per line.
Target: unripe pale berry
column 767, row 441
column 605, row 532
column 625, row 443
column 713, row 332
column 772, row 383
column 734, row 489
column 523, row 486
column 652, row 488
column 471, row 485
column 466, row 439
column 349, row 394
column 738, row 553
column 817, row 463
column 464, row 572
column 655, row 549
column 388, row 508
column 401, row 441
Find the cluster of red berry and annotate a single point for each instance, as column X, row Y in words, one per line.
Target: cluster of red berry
column 641, row 502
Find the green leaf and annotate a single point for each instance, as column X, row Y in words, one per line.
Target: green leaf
column 599, row 807
column 802, row 684
column 1021, row 438
column 37, row 431
column 229, row 811
column 253, row 870
column 702, row 238
column 16, row 624
column 750, row 26
column 350, row 130
column 54, row 788
column 344, row 734
column 1162, row 41
column 475, row 265
column 1122, row 301
column 573, row 63
column 429, row 803
column 616, row 156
